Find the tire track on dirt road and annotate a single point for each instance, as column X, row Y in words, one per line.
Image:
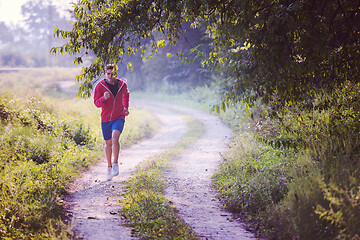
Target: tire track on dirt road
column 190, row 190
column 94, row 202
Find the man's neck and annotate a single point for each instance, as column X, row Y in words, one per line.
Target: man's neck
column 112, row 81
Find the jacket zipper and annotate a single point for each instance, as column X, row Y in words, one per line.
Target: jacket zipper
column 114, row 100
column 112, row 111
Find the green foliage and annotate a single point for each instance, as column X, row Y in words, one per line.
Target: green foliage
column 295, row 216
column 78, row 133
column 287, row 51
column 330, row 131
column 148, row 211
column 343, row 209
column 154, row 218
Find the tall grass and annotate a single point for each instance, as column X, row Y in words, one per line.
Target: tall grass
column 45, row 142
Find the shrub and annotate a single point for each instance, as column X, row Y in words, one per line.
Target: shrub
column 4, row 112
column 253, row 176
column 343, row 210
column 294, row 217
column 78, row 133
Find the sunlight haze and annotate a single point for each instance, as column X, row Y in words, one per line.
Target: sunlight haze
column 10, row 10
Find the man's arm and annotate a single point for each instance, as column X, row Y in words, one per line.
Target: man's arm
column 99, row 97
column 126, row 98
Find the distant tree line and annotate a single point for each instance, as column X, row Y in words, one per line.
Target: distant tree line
column 28, row 44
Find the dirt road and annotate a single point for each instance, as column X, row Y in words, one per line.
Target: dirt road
column 93, row 201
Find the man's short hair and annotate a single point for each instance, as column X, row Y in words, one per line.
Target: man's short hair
column 110, row 66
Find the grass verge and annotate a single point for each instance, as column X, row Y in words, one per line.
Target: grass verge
column 146, row 209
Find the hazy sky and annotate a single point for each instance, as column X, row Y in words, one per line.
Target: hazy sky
column 10, row 10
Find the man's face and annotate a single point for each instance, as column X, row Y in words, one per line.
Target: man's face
column 110, row 75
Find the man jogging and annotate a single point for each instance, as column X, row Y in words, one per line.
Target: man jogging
column 112, row 95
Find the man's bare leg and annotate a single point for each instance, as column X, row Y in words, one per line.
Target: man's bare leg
column 115, row 144
column 108, row 151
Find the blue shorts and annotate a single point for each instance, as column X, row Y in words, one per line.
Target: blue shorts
column 109, row 127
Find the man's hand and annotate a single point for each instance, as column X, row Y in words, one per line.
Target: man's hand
column 126, row 111
column 106, row 95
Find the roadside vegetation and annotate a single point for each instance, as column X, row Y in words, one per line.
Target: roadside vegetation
column 295, row 174
column 47, row 138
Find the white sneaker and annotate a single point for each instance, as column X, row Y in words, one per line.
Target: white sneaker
column 115, row 169
column 108, row 174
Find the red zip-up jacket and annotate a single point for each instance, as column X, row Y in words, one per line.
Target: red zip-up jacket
column 111, row 108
